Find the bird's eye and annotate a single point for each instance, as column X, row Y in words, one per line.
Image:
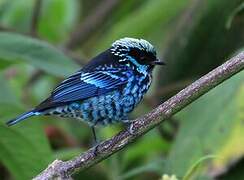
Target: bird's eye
column 135, row 53
column 141, row 56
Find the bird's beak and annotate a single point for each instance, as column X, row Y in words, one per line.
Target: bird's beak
column 159, row 62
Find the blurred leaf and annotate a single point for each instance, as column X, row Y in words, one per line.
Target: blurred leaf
column 67, row 154
column 235, row 171
column 24, row 149
column 58, row 18
column 141, row 22
column 233, row 150
column 190, row 173
column 43, row 87
column 14, row 47
column 6, row 93
column 16, row 14
column 207, row 124
column 125, row 8
column 233, row 14
column 167, row 177
column 154, row 166
column 142, row 148
column 4, row 64
column 202, row 41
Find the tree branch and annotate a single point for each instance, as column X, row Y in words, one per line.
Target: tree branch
column 3, row 28
column 141, row 125
column 87, row 27
column 35, row 17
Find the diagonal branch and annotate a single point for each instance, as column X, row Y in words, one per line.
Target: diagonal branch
column 91, row 23
column 35, row 17
column 141, row 125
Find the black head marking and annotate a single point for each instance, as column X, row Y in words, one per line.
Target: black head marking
column 135, row 52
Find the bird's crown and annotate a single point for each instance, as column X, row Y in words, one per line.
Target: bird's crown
column 127, row 44
column 136, row 53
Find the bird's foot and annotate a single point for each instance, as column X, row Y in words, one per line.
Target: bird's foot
column 95, row 148
column 96, row 141
column 129, row 126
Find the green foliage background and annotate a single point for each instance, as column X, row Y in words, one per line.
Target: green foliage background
column 192, row 36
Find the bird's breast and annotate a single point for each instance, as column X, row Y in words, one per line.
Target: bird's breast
column 137, row 86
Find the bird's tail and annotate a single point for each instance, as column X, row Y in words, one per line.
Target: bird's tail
column 23, row 117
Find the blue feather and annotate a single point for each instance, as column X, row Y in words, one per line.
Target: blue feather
column 85, row 85
column 22, row 117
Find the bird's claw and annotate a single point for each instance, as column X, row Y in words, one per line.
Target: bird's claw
column 131, row 131
column 95, row 147
column 129, row 125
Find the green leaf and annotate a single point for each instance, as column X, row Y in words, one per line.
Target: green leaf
column 203, row 42
column 154, row 166
column 5, row 64
column 6, row 93
column 68, row 153
column 167, row 177
column 233, row 14
column 58, row 18
column 141, row 22
column 16, row 14
column 207, row 126
column 233, row 150
column 18, row 48
column 24, row 149
column 189, row 174
column 142, row 149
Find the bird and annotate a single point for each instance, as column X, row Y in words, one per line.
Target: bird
column 106, row 89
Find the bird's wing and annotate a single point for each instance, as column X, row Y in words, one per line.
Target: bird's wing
column 83, row 85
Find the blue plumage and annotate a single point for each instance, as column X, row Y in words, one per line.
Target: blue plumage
column 107, row 89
